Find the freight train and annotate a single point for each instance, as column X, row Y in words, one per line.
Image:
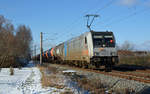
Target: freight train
column 89, row 50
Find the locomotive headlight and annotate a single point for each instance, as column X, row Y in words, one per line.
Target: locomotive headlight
column 104, row 45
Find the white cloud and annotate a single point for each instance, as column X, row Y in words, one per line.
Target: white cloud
column 128, row 2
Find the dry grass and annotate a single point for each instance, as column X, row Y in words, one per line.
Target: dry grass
column 52, row 70
column 67, row 92
column 52, row 80
column 93, row 85
column 135, row 60
column 124, row 91
column 148, row 76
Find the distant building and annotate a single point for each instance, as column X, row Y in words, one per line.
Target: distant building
column 125, row 53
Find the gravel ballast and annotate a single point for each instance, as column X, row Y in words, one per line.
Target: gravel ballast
column 114, row 83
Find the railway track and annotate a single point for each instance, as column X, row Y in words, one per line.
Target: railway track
column 137, row 75
column 144, row 71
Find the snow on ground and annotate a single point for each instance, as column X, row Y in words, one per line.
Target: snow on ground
column 69, row 71
column 24, row 81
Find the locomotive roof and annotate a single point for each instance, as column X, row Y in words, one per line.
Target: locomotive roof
column 101, row 32
column 93, row 32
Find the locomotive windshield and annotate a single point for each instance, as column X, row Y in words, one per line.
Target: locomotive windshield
column 103, row 40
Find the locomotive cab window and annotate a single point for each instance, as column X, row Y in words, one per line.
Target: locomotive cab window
column 97, row 41
column 105, row 40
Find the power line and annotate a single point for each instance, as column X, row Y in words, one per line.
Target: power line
column 105, row 6
column 85, row 12
column 128, row 16
column 78, row 19
column 110, row 18
column 98, row 10
column 119, row 20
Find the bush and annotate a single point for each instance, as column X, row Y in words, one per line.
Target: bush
column 94, row 86
column 14, row 42
column 12, row 61
column 125, row 91
column 52, row 80
column 11, row 71
column 20, row 67
column 67, row 92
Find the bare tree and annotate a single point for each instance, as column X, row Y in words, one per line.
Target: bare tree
column 2, row 20
column 13, row 43
column 127, row 46
column 24, row 38
column 6, row 38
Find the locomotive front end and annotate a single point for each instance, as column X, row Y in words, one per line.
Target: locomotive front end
column 104, row 49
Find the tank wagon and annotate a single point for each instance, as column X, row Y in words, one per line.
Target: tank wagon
column 47, row 56
column 91, row 49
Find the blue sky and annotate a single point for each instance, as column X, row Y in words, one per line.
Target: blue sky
column 63, row 19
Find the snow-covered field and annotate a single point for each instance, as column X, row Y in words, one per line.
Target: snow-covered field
column 24, row 81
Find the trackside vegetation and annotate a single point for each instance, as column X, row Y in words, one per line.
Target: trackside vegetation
column 14, row 44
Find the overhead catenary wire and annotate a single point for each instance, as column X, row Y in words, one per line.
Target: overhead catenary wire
column 81, row 16
column 108, row 4
column 45, row 45
column 70, row 26
column 105, row 6
column 98, row 10
column 121, row 19
column 77, row 20
column 128, row 16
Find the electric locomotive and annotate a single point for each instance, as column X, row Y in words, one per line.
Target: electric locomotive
column 91, row 49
